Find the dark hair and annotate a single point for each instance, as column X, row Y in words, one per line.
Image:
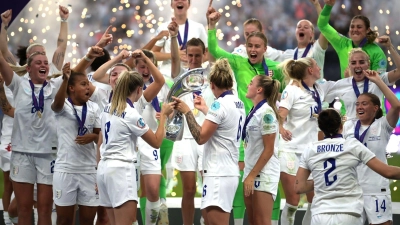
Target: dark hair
column 221, row 74
column 149, row 55
column 376, row 102
column 99, row 61
column 21, row 54
column 371, row 35
column 196, row 42
column 329, row 121
column 73, row 77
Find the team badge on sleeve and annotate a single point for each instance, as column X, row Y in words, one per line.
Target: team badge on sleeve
column 140, row 123
column 215, row 106
column 284, row 95
column 268, row 118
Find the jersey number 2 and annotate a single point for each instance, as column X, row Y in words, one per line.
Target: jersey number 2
column 331, row 161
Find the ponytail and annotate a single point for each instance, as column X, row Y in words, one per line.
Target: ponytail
column 271, row 92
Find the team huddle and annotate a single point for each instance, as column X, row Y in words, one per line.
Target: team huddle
column 95, row 142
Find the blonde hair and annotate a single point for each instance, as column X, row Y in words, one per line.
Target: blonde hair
column 126, row 84
column 28, row 49
column 312, row 29
column 21, row 70
column 355, row 51
column 295, row 69
column 254, row 22
column 271, row 92
column 121, row 64
column 221, row 74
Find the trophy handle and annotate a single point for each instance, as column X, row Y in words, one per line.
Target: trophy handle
column 186, row 83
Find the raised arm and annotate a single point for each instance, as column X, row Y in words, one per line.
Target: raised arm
column 86, row 61
column 393, row 75
column 59, row 54
column 327, row 30
column 6, row 70
column 59, row 99
column 6, row 107
column 5, row 21
column 323, row 42
column 173, row 29
column 100, row 74
column 391, row 172
column 155, row 139
column 152, row 90
column 201, row 134
column 213, row 47
column 393, row 114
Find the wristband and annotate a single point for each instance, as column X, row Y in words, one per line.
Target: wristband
column 87, row 58
column 63, row 20
column 173, row 36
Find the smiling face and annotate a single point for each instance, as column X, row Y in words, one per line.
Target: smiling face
column 38, row 68
column 180, row 7
column 79, row 89
column 143, row 69
column 256, row 48
column 114, row 74
column 304, row 32
column 358, row 63
column 358, row 30
column 365, row 108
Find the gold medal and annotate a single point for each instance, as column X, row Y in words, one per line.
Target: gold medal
column 315, row 115
column 39, row 114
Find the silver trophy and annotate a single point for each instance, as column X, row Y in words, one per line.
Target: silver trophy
column 186, row 83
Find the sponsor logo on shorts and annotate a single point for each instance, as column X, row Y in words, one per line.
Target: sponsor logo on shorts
column 15, row 170
column 58, row 194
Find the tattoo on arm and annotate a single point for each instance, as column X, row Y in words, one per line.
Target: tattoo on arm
column 194, row 128
column 297, row 182
column 60, row 40
column 5, row 27
column 5, row 105
column 58, row 58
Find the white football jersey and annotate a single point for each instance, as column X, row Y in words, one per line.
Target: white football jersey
column 344, row 90
column 7, row 126
column 72, row 157
column 101, row 97
column 105, row 87
column 221, row 151
column 196, row 30
column 300, row 120
column 263, row 122
column 120, row 134
column 376, row 139
column 32, row 134
column 333, row 163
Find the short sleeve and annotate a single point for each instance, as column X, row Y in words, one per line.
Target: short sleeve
column 136, row 124
column 97, row 121
column 273, row 53
column 216, row 113
column 304, row 158
column 269, row 124
column 362, row 152
column 15, row 83
column 203, row 35
column 385, row 79
column 348, row 129
column 288, row 97
column 161, row 42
